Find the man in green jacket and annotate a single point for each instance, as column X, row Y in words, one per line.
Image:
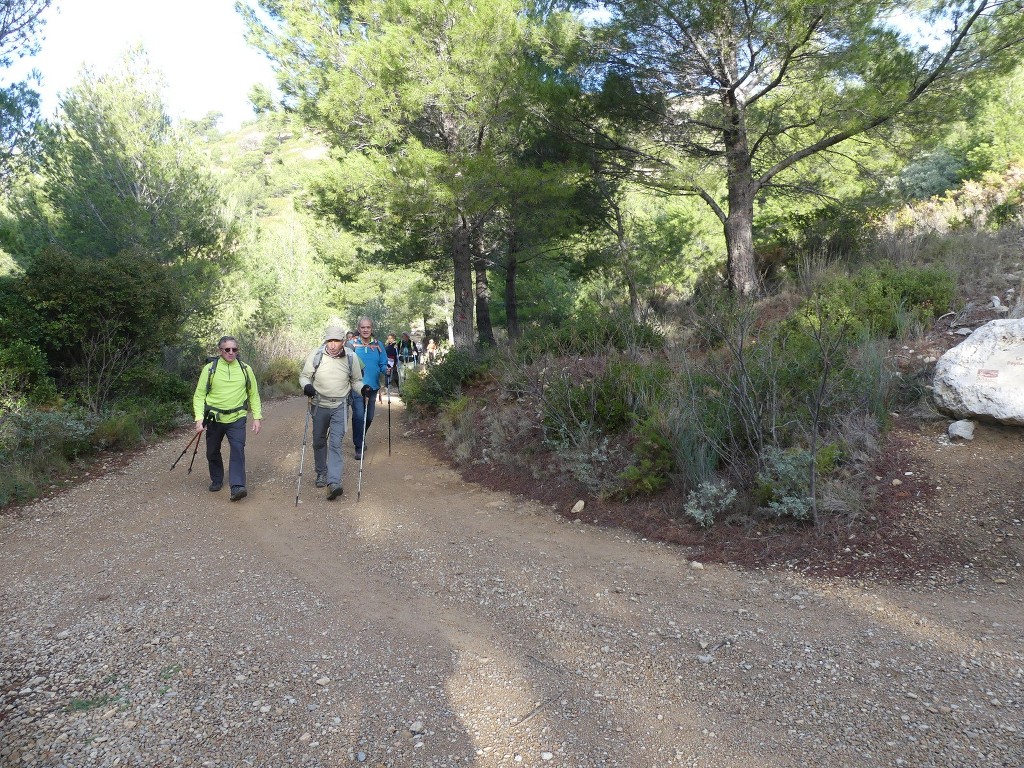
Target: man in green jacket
column 225, row 392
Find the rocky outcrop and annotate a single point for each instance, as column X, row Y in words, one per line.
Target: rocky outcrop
column 983, row 376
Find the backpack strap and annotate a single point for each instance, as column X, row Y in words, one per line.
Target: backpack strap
column 319, row 356
column 209, row 385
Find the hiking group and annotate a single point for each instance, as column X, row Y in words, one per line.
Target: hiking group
column 344, row 374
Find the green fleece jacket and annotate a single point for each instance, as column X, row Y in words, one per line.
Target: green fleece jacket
column 227, row 392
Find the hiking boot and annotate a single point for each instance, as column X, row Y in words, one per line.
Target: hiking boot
column 216, row 486
column 238, row 492
column 321, row 480
column 359, row 453
column 334, row 490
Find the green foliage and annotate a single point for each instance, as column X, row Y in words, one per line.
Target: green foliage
column 756, row 399
column 650, row 473
column 280, row 370
column 814, row 77
column 429, row 389
column 877, row 299
column 35, row 446
column 24, row 376
column 156, row 384
column 117, row 430
column 96, row 323
column 931, row 174
column 709, row 501
column 590, row 332
column 784, row 482
column 147, row 415
column 459, row 427
column 828, row 458
column 121, row 179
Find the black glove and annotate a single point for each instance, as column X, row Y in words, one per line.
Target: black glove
column 308, row 391
column 366, row 391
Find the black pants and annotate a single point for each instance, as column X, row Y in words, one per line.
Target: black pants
column 235, row 433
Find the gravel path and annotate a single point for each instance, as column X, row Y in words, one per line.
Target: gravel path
column 148, row 622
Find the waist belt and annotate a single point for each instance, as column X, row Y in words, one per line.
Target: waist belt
column 224, row 411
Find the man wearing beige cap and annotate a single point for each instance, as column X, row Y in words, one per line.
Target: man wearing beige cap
column 328, row 376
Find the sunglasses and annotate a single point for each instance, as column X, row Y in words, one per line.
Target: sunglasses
column 229, row 349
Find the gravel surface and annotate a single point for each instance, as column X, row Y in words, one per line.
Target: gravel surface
column 148, row 622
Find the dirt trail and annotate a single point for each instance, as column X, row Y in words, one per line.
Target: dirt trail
column 149, row 622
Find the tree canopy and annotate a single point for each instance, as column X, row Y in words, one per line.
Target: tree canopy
column 736, row 95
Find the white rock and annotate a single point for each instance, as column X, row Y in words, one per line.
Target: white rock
column 546, row 756
column 578, row 507
column 418, row 727
column 323, row 681
column 964, row 429
column 697, row 566
column 983, row 376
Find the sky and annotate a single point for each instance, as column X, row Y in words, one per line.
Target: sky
column 198, row 45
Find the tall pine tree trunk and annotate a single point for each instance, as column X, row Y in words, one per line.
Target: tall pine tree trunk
column 511, row 300
column 739, row 223
column 625, row 260
column 462, row 261
column 484, row 329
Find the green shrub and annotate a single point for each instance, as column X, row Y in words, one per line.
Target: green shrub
column 708, row 501
column 784, row 482
column 37, row 445
column 152, row 414
column 459, row 426
column 153, row 384
column 281, row 370
column 23, row 376
column 567, row 408
column 117, row 430
column 590, row 333
column 878, row 299
column 430, row 389
column 651, row 472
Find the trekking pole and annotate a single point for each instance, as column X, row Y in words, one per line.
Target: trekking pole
column 195, row 439
column 195, row 451
column 388, row 382
column 302, row 455
column 362, row 452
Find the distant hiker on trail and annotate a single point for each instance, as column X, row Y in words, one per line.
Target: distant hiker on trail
column 408, row 350
column 431, row 351
column 408, row 356
column 328, row 377
column 226, row 391
column 391, row 350
column 375, row 362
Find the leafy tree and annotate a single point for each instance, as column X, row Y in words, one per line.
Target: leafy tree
column 261, row 99
column 115, row 177
column 19, row 27
column 418, row 96
column 121, row 238
column 20, row 21
column 993, row 137
column 737, row 95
